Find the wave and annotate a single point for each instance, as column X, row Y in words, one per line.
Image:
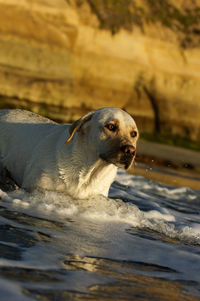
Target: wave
column 58, row 206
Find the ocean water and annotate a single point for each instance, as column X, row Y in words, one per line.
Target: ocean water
column 141, row 243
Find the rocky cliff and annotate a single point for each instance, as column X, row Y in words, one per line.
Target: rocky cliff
column 66, row 57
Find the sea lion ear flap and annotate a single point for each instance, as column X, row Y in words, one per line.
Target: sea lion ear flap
column 77, row 125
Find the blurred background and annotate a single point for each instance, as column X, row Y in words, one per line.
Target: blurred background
column 64, row 58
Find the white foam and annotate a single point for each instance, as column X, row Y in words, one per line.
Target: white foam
column 153, row 214
column 59, row 206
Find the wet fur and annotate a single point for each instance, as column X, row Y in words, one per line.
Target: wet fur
column 33, row 151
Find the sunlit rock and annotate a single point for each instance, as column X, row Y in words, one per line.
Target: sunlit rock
column 81, row 55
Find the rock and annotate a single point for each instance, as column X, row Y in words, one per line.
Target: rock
column 64, row 58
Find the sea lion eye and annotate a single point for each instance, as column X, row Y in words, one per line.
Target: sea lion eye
column 134, row 134
column 111, row 127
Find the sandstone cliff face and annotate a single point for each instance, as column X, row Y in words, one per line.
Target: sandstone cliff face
column 68, row 57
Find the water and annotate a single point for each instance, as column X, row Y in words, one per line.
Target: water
column 141, row 243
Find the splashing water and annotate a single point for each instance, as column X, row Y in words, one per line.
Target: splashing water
column 120, row 208
column 142, row 223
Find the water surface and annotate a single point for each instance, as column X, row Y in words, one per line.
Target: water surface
column 141, row 243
